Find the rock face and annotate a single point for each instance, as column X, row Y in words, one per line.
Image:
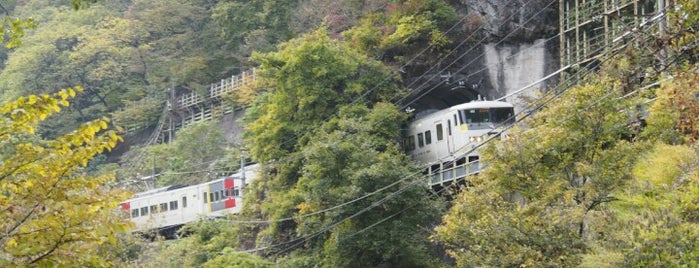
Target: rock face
column 514, row 20
column 514, row 45
column 517, row 67
column 509, row 44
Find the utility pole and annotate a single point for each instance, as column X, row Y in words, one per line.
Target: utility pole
column 662, row 27
column 242, row 172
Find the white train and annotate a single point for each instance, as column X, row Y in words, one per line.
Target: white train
column 449, row 134
column 436, row 138
column 166, row 209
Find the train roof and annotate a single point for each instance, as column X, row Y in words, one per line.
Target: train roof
column 481, row 104
column 249, row 173
column 469, row 105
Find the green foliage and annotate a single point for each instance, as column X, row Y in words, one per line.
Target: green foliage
column 53, row 214
column 683, row 30
column 538, row 202
column 311, row 77
column 674, row 116
column 237, row 260
column 657, row 217
column 326, row 138
column 199, row 154
column 403, row 28
column 254, row 25
column 351, row 156
column 120, row 51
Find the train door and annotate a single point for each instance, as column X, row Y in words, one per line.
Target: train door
column 441, row 146
column 450, row 137
column 183, row 207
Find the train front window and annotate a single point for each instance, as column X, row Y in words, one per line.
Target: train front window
column 499, row 115
column 474, row 116
column 486, row 115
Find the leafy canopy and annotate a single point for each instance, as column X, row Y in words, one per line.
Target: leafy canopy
column 53, row 213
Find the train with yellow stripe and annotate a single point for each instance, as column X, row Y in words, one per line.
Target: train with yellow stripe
column 435, row 138
column 168, row 208
column 452, row 134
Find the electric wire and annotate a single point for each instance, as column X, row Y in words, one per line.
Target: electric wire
column 386, row 187
column 529, row 113
column 464, row 66
column 607, row 95
column 393, row 194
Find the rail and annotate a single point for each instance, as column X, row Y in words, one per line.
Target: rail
column 451, row 174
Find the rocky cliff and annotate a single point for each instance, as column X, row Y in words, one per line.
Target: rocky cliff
column 512, row 45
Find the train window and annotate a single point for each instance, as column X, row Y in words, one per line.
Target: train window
column 173, row 205
column 454, row 119
column 448, row 128
column 474, row 116
column 223, row 194
column 499, row 115
column 134, row 213
column 460, row 161
column 205, row 195
column 236, row 191
column 216, row 196
column 428, row 137
column 211, row 197
column 153, row 209
column 410, row 143
column 144, row 211
column 184, row 202
column 420, row 140
column 163, row 207
column 440, row 132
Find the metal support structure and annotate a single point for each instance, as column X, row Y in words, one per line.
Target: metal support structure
column 182, row 110
column 589, row 28
column 242, row 172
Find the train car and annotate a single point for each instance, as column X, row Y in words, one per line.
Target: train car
column 165, row 209
column 451, row 134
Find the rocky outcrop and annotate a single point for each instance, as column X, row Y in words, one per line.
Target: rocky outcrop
column 513, row 21
column 511, row 44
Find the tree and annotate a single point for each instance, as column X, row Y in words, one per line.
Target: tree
column 655, row 222
column 199, row 154
column 121, row 52
column 403, row 29
column 325, row 136
column 544, row 196
column 352, row 155
column 53, row 213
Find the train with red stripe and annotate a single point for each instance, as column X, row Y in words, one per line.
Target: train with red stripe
column 432, row 139
column 168, row 208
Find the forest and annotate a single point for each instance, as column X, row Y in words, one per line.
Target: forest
column 603, row 171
